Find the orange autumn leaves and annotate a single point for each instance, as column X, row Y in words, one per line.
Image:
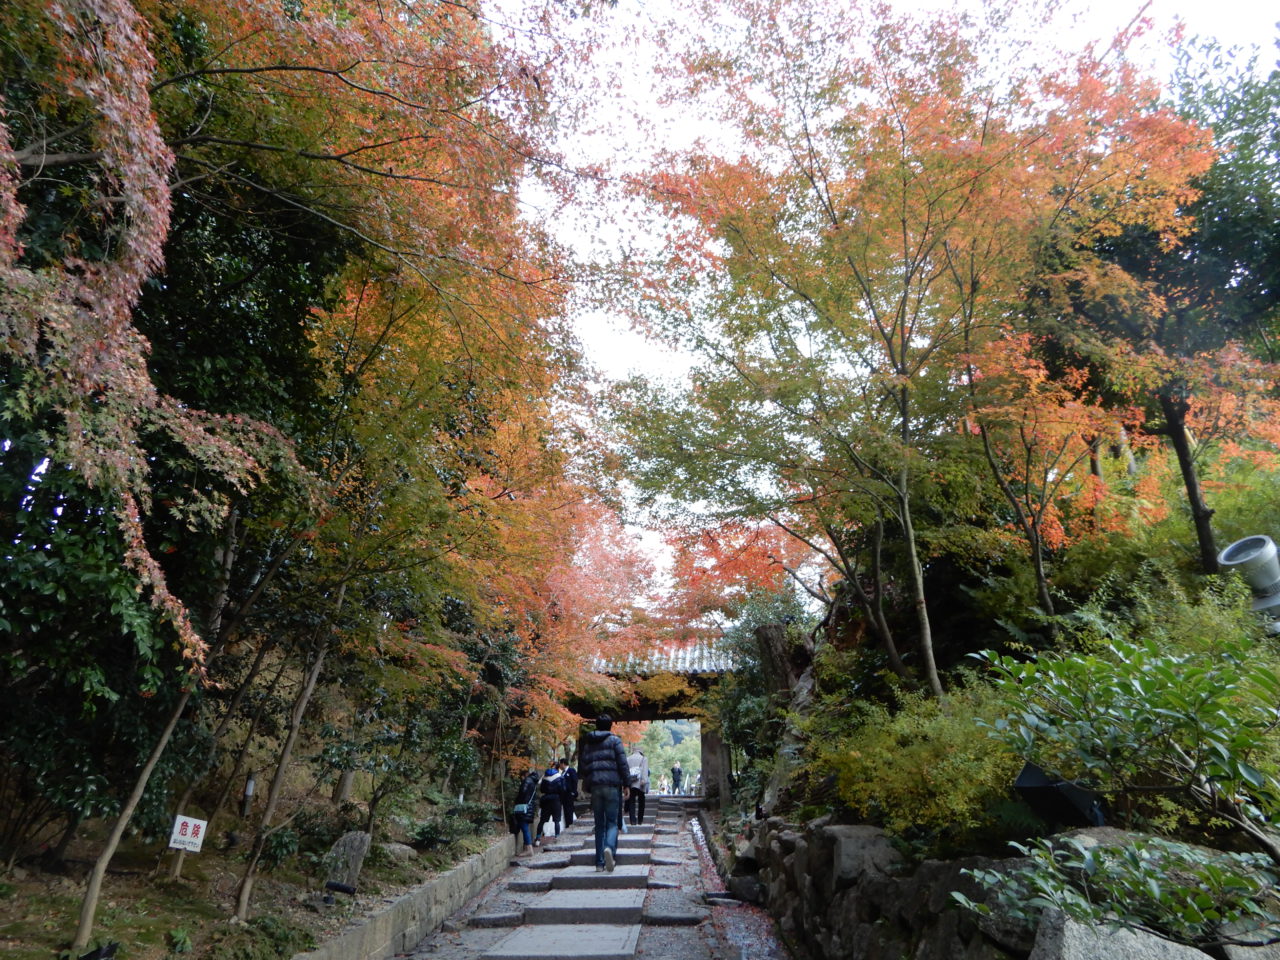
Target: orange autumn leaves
column 1049, row 433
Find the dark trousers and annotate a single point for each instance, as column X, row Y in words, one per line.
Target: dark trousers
column 568, row 810
column 635, row 806
column 550, row 811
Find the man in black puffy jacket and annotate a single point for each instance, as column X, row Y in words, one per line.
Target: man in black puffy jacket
column 603, row 768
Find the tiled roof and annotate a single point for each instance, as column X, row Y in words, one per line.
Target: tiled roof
column 688, row 658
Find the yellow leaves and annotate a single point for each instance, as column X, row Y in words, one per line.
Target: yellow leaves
column 663, row 688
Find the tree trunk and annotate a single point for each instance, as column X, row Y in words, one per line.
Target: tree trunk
column 916, row 570
column 872, row 604
column 175, row 869
column 93, row 889
column 342, row 789
column 1042, row 580
column 245, row 892
column 1174, row 409
column 917, row 592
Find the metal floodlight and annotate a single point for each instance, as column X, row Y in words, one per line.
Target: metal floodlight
column 1058, row 801
column 1255, row 558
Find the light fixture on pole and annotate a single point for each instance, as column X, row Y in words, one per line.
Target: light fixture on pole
column 1255, row 558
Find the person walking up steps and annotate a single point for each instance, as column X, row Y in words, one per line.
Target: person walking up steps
column 639, row 783
column 605, row 770
column 677, row 775
column 552, row 790
column 523, row 812
column 570, row 781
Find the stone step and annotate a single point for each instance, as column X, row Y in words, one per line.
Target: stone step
column 589, row 825
column 530, row 885
column 552, row 861
column 623, row 857
column 589, row 941
column 586, row 906
column 624, row 840
column 588, row 878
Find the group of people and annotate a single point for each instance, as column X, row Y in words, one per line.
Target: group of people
column 548, row 798
column 616, row 783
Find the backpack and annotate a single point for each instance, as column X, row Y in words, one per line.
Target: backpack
column 635, row 776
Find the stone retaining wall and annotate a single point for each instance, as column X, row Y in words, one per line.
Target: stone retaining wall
column 400, row 927
column 842, row 892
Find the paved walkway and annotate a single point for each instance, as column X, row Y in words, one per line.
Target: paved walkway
column 555, row 905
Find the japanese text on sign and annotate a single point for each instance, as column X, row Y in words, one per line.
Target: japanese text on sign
column 188, row 833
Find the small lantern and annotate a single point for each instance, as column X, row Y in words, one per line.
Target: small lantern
column 247, row 800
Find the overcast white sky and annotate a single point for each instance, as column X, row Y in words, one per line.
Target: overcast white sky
column 618, row 351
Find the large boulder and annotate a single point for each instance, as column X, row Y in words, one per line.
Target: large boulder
column 346, row 857
column 1061, row 938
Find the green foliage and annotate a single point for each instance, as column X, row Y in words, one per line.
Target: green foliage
column 749, row 719
column 279, row 846
column 319, row 826
column 179, row 940
column 1179, row 892
column 923, row 771
column 1173, row 701
column 440, row 831
column 263, row 938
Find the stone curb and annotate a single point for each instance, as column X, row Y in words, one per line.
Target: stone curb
column 402, row 925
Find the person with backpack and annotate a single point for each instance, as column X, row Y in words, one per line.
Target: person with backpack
column 522, row 812
column 570, row 781
column 638, row 768
column 552, row 790
column 606, row 772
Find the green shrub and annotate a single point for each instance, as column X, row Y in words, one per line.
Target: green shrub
column 479, row 815
column 1176, row 891
column 179, row 940
column 440, row 831
column 1143, row 724
column 319, row 827
column 263, row 938
column 926, row 772
column 278, row 847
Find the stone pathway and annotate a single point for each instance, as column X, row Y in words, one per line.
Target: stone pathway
column 555, row 905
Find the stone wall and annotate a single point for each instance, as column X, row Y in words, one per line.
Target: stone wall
column 400, row 927
column 842, row 892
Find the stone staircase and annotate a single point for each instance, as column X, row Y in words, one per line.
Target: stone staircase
column 582, row 914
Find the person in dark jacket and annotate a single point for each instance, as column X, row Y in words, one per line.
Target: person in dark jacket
column 570, row 780
column 526, row 795
column 603, row 765
column 552, row 790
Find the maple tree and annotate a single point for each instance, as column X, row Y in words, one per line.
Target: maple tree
column 899, row 178
column 1168, row 326
column 717, row 570
column 345, row 182
column 1040, row 438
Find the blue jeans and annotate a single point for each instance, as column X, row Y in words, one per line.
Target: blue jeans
column 524, row 829
column 606, row 807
